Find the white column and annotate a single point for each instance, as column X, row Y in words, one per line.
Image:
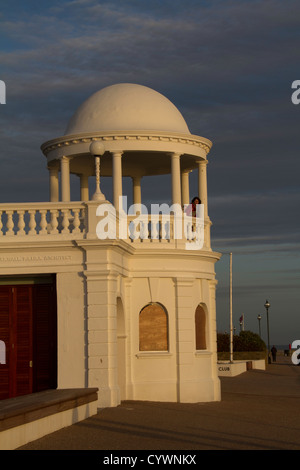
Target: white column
column 185, row 187
column 117, row 178
column 176, row 183
column 202, row 184
column 84, row 188
column 137, row 192
column 65, row 179
column 54, row 183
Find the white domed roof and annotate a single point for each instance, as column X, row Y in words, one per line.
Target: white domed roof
column 127, row 107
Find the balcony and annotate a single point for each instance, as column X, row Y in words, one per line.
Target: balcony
column 34, row 222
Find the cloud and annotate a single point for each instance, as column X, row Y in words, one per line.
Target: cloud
column 227, row 65
column 215, row 60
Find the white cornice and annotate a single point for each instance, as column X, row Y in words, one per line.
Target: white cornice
column 73, row 140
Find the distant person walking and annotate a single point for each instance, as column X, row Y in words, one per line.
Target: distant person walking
column 274, row 352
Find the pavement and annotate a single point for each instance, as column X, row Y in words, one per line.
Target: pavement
column 259, row 410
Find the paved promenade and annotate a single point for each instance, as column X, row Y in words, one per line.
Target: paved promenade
column 259, row 411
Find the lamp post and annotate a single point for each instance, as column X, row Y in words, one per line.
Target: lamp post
column 267, row 306
column 97, row 149
column 230, row 307
column 259, row 318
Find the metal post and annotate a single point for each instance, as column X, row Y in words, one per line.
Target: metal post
column 230, row 309
column 259, row 318
column 267, row 305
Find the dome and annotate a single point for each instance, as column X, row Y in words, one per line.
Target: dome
column 127, row 107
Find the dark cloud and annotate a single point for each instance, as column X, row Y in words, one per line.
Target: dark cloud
column 227, row 65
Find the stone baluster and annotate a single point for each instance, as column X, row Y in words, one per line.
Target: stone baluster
column 76, row 221
column 65, row 221
column 54, row 222
column 43, row 222
column 9, row 224
column 155, row 227
column 32, row 222
column 21, row 223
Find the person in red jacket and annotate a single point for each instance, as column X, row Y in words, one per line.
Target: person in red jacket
column 192, row 207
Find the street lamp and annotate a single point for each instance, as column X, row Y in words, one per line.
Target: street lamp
column 259, row 318
column 267, row 306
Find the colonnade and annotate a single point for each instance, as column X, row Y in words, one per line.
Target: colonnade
column 180, row 181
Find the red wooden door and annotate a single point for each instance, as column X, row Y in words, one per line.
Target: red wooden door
column 28, row 329
column 22, row 353
column 5, row 333
column 16, row 332
column 44, row 332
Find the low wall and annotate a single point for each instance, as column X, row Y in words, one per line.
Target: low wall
column 231, row 369
column 259, row 364
column 30, row 417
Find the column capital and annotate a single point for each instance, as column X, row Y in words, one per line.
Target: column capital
column 175, row 154
column 53, row 165
column 117, row 153
column 53, row 170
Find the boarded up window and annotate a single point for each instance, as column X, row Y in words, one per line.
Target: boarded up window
column 200, row 320
column 153, row 328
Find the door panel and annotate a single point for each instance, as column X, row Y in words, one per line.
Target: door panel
column 44, row 327
column 22, row 296
column 28, row 329
column 5, row 300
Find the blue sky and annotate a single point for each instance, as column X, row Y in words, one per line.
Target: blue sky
column 228, row 66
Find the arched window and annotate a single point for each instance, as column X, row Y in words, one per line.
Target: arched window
column 153, row 328
column 200, row 328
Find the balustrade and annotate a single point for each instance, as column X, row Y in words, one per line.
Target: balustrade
column 42, row 219
column 78, row 220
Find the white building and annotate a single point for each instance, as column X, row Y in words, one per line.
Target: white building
column 133, row 317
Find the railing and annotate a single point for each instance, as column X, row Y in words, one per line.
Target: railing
column 42, row 219
column 78, row 220
column 166, row 229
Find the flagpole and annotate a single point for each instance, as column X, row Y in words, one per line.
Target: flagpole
column 230, row 310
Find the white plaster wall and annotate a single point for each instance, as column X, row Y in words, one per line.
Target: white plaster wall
column 90, row 334
column 71, row 325
column 182, row 373
column 153, row 373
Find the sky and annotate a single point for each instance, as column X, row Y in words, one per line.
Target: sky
column 228, row 66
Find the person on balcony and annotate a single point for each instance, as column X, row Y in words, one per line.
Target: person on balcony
column 192, row 207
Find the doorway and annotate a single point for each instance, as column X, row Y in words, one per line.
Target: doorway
column 28, row 328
